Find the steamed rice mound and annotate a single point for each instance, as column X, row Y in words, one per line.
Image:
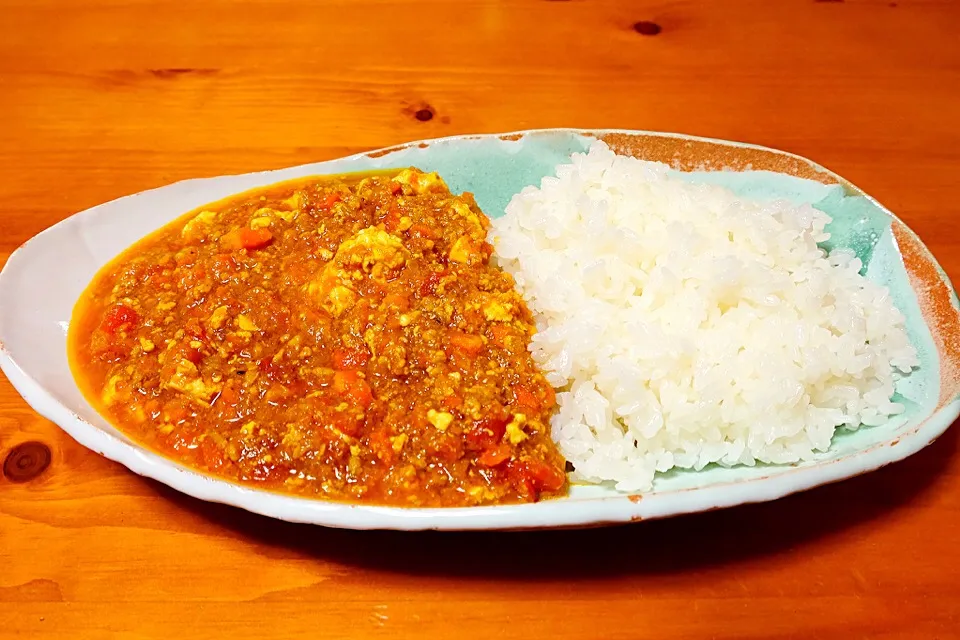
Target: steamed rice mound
column 684, row 326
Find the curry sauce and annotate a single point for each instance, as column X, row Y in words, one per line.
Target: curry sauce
column 341, row 338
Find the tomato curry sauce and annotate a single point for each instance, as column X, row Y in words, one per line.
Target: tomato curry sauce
column 342, row 338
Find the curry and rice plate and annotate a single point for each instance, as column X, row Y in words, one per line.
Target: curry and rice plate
column 374, row 338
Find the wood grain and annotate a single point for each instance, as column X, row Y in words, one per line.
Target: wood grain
column 101, row 98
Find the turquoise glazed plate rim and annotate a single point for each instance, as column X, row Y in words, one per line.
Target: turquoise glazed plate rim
column 42, row 280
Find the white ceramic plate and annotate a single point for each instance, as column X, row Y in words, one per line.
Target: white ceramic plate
column 43, row 279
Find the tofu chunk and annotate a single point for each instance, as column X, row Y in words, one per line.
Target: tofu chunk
column 374, row 251
column 414, row 181
column 371, row 251
column 187, row 380
column 197, row 226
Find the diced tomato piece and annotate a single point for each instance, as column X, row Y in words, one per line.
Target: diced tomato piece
column 184, row 351
column 429, row 284
column 521, row 480
column 494, row 456
column 500, row 333
column 529, row 399
column 350, row 358
column 452, row 402
column 381, row 446
column 525, row 398
column 297, row 387
column 349, row 424
column 351, row 385
column 547, row 476
column 532, row 477
column 331, row 199
column 245, row 238
column 486, row 250
column 267, row 367
column 463, row 343
column 487, row 432
column 229, row 396
column 192, row 354
column 119, row 317
column 211, row 454
column 395, row 188
column 195, row 330
column 444, row 449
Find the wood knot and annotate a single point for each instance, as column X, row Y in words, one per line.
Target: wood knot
column 647, row 28
column 176, row 72
column 26, row 461
column 424, row 115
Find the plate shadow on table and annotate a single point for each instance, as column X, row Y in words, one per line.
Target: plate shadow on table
column 718, row 539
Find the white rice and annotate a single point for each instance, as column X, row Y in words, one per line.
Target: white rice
column 684, row 326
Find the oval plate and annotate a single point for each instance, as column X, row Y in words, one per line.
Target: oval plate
column 43, row 279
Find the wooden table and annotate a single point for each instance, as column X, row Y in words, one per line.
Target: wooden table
column 100, row 98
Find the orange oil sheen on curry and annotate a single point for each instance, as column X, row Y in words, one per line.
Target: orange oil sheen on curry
column 340, row 338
